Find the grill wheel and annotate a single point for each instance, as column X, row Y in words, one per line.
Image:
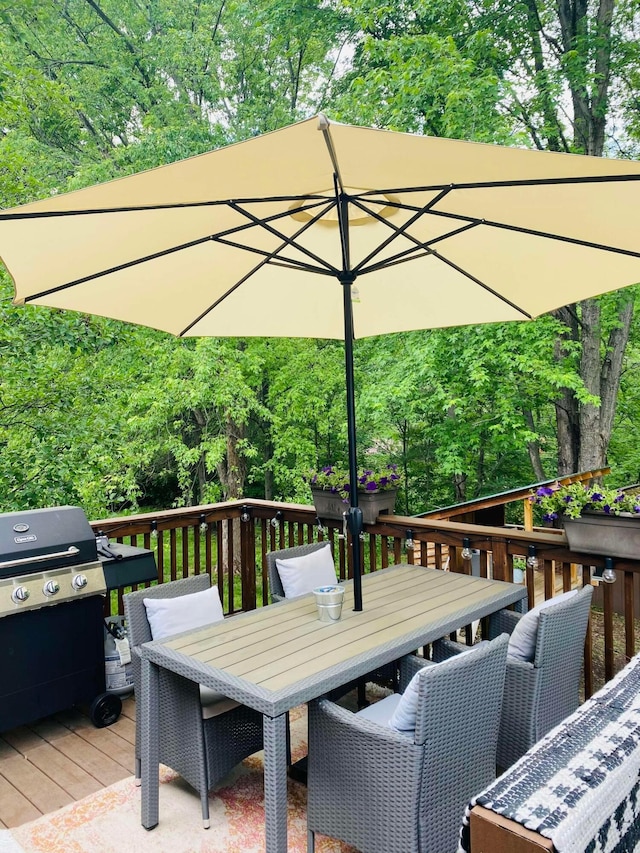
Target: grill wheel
column 105, row 710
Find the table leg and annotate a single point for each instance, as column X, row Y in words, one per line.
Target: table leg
column 275, row 783
column 149, row 750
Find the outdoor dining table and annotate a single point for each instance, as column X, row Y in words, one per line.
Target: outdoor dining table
column 280, row 656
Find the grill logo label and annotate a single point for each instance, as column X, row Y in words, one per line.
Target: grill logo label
column 30, row 538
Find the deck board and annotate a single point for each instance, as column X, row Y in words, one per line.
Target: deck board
column 15, row 809
column 59, row 760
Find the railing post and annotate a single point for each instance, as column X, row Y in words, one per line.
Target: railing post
column 500, row 559
column 248, row 562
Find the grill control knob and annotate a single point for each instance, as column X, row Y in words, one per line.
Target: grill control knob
column 19, row 594
column 79, row 581
column 51, row 588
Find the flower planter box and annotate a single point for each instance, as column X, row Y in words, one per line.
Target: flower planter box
column 330, row 506
column 606, row 535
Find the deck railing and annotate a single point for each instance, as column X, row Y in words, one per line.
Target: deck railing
column 230, row 541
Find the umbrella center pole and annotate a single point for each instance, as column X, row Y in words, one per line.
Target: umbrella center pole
column 354, row 517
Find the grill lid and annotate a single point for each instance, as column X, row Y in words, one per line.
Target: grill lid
column 29, row 536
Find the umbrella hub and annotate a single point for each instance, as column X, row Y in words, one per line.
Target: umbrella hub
column 363, row 208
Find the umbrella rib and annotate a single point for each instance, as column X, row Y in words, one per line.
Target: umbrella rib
column 310, row 197
column 411, row 254
column 360, row 269
column 117, row 268
column 183, row 246
column 524, row 182
column 142, row 208
column 398, row 232
column 492, row 224
column 271, row 258
column 481, row 284
column 535, row 233
column 287, row 263
column 288, row 241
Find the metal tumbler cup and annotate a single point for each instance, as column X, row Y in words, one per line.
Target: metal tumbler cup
column 329, row 602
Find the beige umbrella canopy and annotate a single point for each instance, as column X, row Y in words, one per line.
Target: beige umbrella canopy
column 328, row 230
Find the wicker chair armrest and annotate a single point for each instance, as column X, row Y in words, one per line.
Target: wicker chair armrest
column 503, row 622
column 356, row 751
column 409, row 665
column 444, row 649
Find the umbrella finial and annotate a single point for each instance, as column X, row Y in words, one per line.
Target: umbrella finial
column 323, row 122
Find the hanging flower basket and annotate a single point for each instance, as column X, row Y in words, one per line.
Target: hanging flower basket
column 596, row 520
column 331, row 506
column 606, row 535
column 377, row 490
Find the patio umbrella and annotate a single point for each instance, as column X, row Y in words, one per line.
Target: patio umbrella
column 328, row 230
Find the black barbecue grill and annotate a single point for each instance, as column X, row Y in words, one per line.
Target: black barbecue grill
column 52, row 588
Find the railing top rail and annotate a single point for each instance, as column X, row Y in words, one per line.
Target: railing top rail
column 512, row 495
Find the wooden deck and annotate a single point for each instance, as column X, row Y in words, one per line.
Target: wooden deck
column 63, row 758
column 59, row 760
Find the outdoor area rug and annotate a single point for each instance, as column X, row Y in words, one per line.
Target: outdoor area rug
column 110, row 819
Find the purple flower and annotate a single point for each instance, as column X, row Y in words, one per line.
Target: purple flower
column 551, row 516
column 384, row 481
column 597, row 497
column 568, row 499
column 636, row 508
column 545, row 491
column 607, row 509
column 618, row 498
column 371, row 486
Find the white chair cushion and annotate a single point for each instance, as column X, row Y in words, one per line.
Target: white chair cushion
column 403, row 719
column 214, row 704
column 404, row 716
column 382, row 711
column 300, row 575
column 522, row 642
column 169, row 616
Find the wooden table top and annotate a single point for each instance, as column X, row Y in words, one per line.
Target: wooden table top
column 282, row 654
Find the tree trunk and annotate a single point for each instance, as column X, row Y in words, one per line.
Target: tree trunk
column 232, row 470
column 583, row 54
column 534, row 448
column 596, row 422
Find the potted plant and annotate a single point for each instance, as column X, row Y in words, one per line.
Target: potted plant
column 377, row 489
column 596, row 520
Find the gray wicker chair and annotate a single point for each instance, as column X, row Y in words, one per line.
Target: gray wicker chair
column 538, row 694
column 275, row 584
column 383, row 791
column 199, row 741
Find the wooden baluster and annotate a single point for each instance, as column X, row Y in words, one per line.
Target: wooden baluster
column 629, row 615
column 184, row 531
column 608, row 630
column 588, row 643
column 173, row 553
column 196, row 548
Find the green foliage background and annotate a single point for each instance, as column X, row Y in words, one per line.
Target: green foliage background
column 116, row 417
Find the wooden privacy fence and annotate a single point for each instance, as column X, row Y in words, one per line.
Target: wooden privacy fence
column 230, row 541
